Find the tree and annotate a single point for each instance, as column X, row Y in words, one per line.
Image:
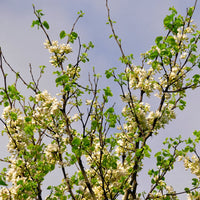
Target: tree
column 81, row 127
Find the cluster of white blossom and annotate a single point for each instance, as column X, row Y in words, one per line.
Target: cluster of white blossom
column 169, row 190
column 18, row 139
column 58, row 51
column 146, row 117
column 193, row 164
column 16, row 175
column 181, row 35
column 47, row 107
column 51, row 152
column 174, row 73
column 142, row 79
column 20, row 131
column 182, row 32
column 194, row 196
column 75, row 118
column 140, row 111
column 47, row 114
column 163, row 117
column 111, row 175
column 73, row 72
column 10, row 193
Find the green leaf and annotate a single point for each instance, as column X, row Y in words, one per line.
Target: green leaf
column 62, row 34
column 158, row 39
column 167, row 21
column 109, row 73
column 170, row 39
column 108, row 92
column 153, row 54
column 174, row 11
column 67, row 87
column 196, row 78
column 159, row 158
column 86, row 142
column 45, row 24
column 195, row 182
column 90, row 44
column 13, row 116
column 35, row 22
column 39, row 12
column 94, row 125
column 28, row 119
column 110, row 110
column 190, row 11
column 192, row 58
column 197, row 133
column 2, row 182
column 182, row 104
column 6, row 103
column 187, row 190
column 74, row 35
column 76, row 141
column 80, row 13
column 110, row 36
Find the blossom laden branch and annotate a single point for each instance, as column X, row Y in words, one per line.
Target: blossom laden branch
column 80, row 127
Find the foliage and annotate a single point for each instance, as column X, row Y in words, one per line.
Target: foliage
column 108, row 148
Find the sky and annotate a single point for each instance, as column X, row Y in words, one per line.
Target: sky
column 138, row 24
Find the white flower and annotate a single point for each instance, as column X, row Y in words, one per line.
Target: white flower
column 188, row 30
column 183, row 55
column 170, row 189
column 120, row 142
column 5, row 112
column 179, row 30
column 58, row 51
column 88, row 102
column 172, row 75
column 149, row 62
column 167, row 95
column 52, row 147
column 76, row 117
column 158, row 49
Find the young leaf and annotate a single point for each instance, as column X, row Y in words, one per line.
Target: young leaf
column 35, row 22
column 62, row 34
column 190, row 11
column 108, row 92
column 45, row 24
column 2, row 182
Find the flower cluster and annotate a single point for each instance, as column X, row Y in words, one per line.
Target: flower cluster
column 18, row 139
column 193, row 164
column 181, row 34
column 73, row 72
column 171, row 193
column 58, row 51
column 51, row 152
column 30, row 161
column 142, row 79
column 47, row 108
column 194, row 196
column 145, row 117
column 113, row 175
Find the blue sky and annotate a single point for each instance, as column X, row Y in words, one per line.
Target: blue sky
column 138, row 24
